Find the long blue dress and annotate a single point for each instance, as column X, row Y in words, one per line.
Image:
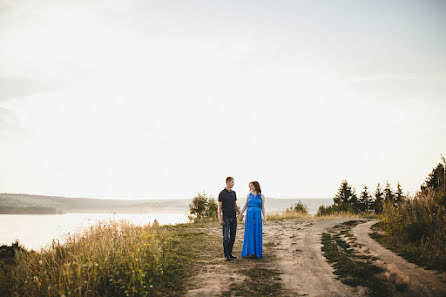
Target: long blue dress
column 252, row 240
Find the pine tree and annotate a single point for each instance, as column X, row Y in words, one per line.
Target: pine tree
column 435, row 180
column 399, row 197
column 365, row 200
column 388, row 194
column 345, row 196
column 378, row 203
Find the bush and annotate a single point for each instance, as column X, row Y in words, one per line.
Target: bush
column 202, row 208
column 335, row 209
column 298, row 207
column 418, row 227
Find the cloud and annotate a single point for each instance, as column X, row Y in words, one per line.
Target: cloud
column 19, row 87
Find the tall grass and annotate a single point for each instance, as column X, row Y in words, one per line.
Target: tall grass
column 417, row 229
column 108, row 259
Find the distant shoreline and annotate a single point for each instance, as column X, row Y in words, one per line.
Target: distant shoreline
column 15, row 203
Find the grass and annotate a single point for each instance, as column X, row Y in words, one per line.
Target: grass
column 416, row 230
column 353, row 269
column 408, row 250
column 260, row 277
column 287, row 215
column 258, row 282
column 108, row 259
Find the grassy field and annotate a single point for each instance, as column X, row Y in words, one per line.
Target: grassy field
column 109, row 259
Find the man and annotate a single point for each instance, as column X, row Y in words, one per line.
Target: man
column 227, row 203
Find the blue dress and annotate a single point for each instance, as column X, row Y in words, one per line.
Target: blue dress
column 252, row 240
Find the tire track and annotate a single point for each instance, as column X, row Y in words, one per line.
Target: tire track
column 421, row 282
column 299, row 257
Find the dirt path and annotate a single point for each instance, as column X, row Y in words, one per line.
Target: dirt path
column 291, row 248
column 305, row 270
column 421, row 282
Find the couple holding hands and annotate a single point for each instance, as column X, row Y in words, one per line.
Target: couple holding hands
column 255, row 209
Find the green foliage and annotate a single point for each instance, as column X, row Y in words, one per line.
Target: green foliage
column 299, row 207
column 416, row 227
column 378, row 203
column 334, row 209
column 388, row 193
column 346, row 195
column 346, row 200
column 365, row 201
column 202, row 207
column 435, row 181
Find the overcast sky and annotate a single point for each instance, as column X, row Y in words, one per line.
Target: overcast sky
column 163, row 99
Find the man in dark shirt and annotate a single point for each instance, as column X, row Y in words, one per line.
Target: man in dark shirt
column 227, row 203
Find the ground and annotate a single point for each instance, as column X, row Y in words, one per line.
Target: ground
column 294, row 265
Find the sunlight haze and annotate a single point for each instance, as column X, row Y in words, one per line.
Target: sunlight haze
column 164, row 99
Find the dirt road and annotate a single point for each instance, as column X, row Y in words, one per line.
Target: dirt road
column 292, row 248
column 421, row 282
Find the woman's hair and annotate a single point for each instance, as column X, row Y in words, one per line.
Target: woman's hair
column 256, row 186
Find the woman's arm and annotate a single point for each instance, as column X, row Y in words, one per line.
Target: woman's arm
column 263, row 208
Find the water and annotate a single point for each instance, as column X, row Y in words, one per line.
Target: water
column 37, row 231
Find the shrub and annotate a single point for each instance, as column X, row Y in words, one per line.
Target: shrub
column 202, row 208
column 298, row 207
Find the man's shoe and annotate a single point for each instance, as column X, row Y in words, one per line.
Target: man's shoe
column 228, row 258
column 233, row 257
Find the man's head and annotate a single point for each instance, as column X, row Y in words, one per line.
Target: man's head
column 229, row 182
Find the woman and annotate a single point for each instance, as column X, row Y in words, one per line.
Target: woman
column 255, row 203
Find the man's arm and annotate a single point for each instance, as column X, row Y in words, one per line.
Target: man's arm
column 235, row 203
column 237, row 209
column 220, row 219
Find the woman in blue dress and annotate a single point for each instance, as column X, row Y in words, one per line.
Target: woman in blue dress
column 255, row 205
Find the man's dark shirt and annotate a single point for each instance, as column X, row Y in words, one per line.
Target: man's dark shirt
column 227, row 199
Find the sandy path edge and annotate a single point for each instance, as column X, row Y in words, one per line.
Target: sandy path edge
column 299, row 257
column 420, row 281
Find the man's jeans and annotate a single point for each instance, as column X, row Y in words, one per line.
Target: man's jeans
column 229, row 230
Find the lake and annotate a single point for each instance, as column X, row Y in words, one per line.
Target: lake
column 36, row 231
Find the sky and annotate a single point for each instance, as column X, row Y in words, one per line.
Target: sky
column 143, row 99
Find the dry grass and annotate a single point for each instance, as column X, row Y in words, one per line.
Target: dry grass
column 417, row 229
column 108, row 259
column 279, row 216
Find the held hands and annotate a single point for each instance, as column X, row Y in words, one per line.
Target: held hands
column 241, row 216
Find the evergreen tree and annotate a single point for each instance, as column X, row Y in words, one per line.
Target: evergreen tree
column 378, row 203
column 388, row 194
column 399, row 197
column 435, row 180
column 365, row 200
column 346, row 197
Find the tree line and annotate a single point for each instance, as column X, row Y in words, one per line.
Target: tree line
column 347, row 200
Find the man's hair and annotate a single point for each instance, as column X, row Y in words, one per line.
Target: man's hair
column 229, row 178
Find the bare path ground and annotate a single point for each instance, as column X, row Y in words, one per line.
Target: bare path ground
column 421, row 282
column 291, row 247
column 305, row 270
